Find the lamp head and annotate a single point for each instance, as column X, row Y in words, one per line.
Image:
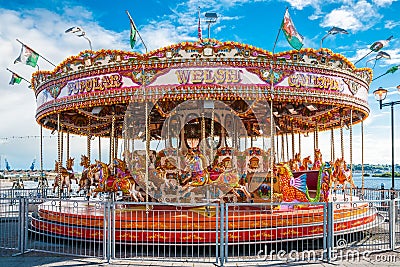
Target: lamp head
column 211, row 17
column 382, row 54
column 380, row 94
column 336, row 30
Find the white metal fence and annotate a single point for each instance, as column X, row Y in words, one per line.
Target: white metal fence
column 286, row 236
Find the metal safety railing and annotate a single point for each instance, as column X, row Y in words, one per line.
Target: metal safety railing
column 217, row 233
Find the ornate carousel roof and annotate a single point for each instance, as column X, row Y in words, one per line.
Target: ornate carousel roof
column 309, row 88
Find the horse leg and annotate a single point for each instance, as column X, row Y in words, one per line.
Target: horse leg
column 55, row 184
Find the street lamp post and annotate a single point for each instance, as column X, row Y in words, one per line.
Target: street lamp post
column 381, row 54
column 375, row 47
column 80, row 33
column 380, row 95
column 211, row 17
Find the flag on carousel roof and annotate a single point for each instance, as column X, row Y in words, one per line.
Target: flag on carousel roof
column 15, row 78
column 199, row 33
column 133, row 34
column 27, row 56
column 294, row 38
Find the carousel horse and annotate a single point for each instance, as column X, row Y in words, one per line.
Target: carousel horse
column 88, row 177
column 195, row 166
column 295, row 163
column 317, row 159
column 65, row 175
column 122, row 180
column 341, row 174
column 43, row 183
column 18, row 184
column 125, row 182
column 305, row 164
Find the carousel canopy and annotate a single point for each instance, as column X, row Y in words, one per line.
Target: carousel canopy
column 309, row 89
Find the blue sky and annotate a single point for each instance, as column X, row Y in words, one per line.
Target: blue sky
column 41, row 25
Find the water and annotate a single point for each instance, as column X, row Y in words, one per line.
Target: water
column 375, row 182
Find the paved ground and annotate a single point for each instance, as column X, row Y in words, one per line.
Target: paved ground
column 47, row 260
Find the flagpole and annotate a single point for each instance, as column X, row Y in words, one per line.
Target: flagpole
column 36, row 52
column 276, row 40
column 199, row 33
column 134, row 26
column 19, row 76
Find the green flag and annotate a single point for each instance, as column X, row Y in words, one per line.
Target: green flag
column 292, row 36
column 15, row 78
column 133, row 36
column 27, row 56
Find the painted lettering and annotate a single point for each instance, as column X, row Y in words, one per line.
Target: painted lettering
column 312, row 81
column 94, row 84
column 209, row 76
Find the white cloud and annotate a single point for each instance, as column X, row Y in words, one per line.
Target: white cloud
column 43, row 31
column 358, row 17
column 383, row 3
column 300, row 4
column 390, row 24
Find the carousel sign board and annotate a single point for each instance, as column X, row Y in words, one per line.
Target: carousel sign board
column 98, row 83
column 207, row 75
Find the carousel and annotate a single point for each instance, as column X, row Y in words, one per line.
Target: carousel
column 204, row 122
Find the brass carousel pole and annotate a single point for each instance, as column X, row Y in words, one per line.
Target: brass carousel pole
column 292, row 141
column 59, row 145
column 116, row 144
column 62, row 146
column 332, row 145
column 147, row 152
column 126, row 143
column 351, row 151
column 112, row 136
column 88, row 147
column 282, row 148
column 287, row 144
column 300, row 144
column 316, row 136
column 341, row 137
column 110, row 151
column 99, row 148
column 362, row 159
column 277, row 148
column 88, row 138
column 212, row 135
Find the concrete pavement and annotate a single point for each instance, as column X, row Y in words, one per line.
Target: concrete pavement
column 31, row 259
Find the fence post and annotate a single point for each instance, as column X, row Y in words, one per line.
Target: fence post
column 392, row 224
column 22, row 213
column 222, row 235
column 329, row 231
column 107, row 231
